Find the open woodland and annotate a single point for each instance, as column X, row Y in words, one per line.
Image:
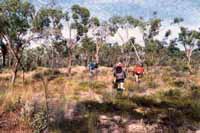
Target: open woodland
column 45, row 84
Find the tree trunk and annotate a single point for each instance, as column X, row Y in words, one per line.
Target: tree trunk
column 97, row 53
column 69, row 62
column 189, row 64
column 189, row 54
column 15, row 70
column 4, row 60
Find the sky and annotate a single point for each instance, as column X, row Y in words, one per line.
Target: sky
column 167, row 10
column 189, row 10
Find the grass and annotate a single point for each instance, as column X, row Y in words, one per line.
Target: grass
column 175, row 101
column 50, row 73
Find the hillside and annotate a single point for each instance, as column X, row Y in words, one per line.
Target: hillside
column 164, row 101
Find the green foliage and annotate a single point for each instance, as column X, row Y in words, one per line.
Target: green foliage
column 81, row 16
column 16, row 19
column 117, row 20
column 174, row 51
column 154, row 27
column 88, row 46
column 178, row 20
column 109, row 54
column 39, row 121
column 135, row 22
column 45, row 16
column 95, row 21
column 187, row 37
column 153, row 50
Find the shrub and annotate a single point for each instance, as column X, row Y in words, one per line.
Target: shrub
column 195, row 92
column 12, row 104
column 173, row 93
column 179, row 83
column 180, row 66
column 39, row 121
column 50, row 73
column 194, row 111
column 167, row 77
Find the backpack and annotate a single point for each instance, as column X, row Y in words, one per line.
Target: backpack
column 92, row 66
column 119, row 73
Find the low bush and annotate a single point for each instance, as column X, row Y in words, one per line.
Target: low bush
column 194, row 111
column 195, row 92
column 12, row 104
column 39, row 121
column 50, row 73
column 173, row 93
column 179, row 83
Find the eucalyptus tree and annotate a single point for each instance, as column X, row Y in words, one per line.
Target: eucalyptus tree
column 100, row 34
column 150, row 30
column 190, row 40
column 127, row 24
column 47, row 22
column 89, row 47
column 78, row 23
column 16, row 17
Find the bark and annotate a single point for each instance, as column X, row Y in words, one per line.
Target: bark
column 69, row 62
column 4, row 52
column 136, row 52
column 189, row 61
column 45, row 84
column 4, row 60
column 16, row 57
column 97, row 52
column 15, row 70
column 188, row 52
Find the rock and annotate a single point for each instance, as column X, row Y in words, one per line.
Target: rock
column 124, row 120
column 69, row 111
column 198, row 131
column 135, row 128
column 28, row 109
column 104, row 120
column 74, row 111
column 115, row 129
column 117, row 119
column 104, row 130
column 153, row 128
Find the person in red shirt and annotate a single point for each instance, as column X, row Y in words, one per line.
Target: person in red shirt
column 138, row 71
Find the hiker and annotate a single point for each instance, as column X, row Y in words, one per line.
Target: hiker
column 120, row 76
column 93, row 69
column 138, row 72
